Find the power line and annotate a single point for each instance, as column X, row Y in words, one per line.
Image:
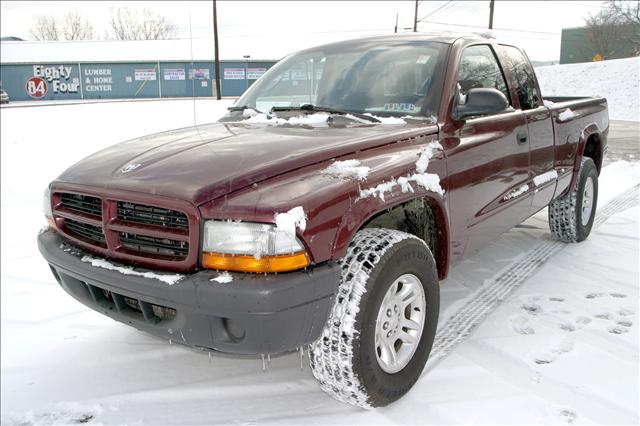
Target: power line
column 435, row 11
column 497, row 29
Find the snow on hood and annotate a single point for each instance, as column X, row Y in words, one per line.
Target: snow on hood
column 347, row 169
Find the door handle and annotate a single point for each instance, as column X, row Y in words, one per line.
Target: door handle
column 522, row 138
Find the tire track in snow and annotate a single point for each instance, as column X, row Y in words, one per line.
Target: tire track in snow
column 494, row 291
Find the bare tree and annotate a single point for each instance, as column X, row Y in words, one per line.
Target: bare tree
column 628, row 13
column 76, row 27
column 604, row 30
column 127, row 24
column 615, row 28
column 45, row 28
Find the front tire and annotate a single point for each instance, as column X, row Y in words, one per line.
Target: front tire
column 388, row 300
column 571, row 216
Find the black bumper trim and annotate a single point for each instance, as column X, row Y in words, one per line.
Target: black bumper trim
column 253, row 314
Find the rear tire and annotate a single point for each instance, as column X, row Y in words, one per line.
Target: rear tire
column 571, row 216
column 347, row 359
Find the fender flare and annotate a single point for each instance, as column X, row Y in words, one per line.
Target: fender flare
column 364, row 209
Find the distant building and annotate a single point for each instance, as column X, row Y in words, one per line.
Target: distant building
column 11, row 38
column 69, row 70
column 576, row 46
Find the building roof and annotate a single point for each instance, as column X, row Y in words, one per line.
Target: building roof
column 113, row 51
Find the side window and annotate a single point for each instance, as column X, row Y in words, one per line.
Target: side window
column 479, row 69
column 524, row 77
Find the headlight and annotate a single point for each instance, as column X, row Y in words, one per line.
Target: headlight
column 250, row 247
column 46, row 208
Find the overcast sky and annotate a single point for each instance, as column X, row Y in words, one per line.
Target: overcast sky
column 270, row 29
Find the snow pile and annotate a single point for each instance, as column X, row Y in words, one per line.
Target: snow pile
column 223, row 278
column 545, row 177
column 429, row 181
column 69, row 413
column 347, row 169
column 289, row 221
column 548, row 104
column 617, row 80
column 566, row 115
column 101, row 263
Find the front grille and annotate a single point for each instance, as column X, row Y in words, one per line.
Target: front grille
column 150, row 215
column 125, row 230
column 82, row 203
column 85, row 231
column 161, row 246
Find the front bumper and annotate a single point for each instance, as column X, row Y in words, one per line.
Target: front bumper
column 253, row 314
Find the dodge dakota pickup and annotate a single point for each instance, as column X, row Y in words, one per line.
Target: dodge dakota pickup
column 323, row 210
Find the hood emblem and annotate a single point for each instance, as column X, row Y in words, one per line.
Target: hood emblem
column 130, row 167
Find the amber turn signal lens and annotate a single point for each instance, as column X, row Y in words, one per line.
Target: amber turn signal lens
column 238, row 263
column 52, row 224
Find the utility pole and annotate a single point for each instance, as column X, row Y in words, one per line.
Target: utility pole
column 217, row 57
column 415, row 19
column 395, row 29
column 491, row 3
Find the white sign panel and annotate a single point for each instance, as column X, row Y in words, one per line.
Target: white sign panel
column 174, row 74
column 234, row 73
column 199, row 74
column 255, row 73
column 145, row 74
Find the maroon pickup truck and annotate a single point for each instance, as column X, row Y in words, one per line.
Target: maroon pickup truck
column 323, row 210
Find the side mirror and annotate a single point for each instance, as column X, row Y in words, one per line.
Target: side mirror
column 481, row 101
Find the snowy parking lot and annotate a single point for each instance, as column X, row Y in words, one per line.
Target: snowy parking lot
column 531, row 330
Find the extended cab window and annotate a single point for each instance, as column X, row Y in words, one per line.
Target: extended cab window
column 525, row 79
column 479, row 69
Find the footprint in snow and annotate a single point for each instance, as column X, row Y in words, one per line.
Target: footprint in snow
column 625, row 312
column 520, row 325
column 545, row 358
column 625, row 323
column 566, row 416
column 583, row 320
column 618, row 295
column 604, row 315
column 548, row 357
column 618, row 330
column 594, row 295
column 556, row 299
column 566, row 326
column 531, row 308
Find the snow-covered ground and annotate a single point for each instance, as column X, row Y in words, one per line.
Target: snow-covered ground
column 617, row 80
column 561, row 347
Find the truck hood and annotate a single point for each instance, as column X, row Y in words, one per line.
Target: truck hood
column 199, row 164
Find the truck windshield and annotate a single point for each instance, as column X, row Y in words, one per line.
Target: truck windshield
column 402, row 78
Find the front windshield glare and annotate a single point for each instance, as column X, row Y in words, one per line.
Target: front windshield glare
column 395, row 79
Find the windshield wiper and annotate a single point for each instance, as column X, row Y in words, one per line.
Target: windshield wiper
column 314, row 108
column 240, row 108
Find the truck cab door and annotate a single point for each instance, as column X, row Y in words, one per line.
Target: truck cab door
column 526, row 92
column 487, row 160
